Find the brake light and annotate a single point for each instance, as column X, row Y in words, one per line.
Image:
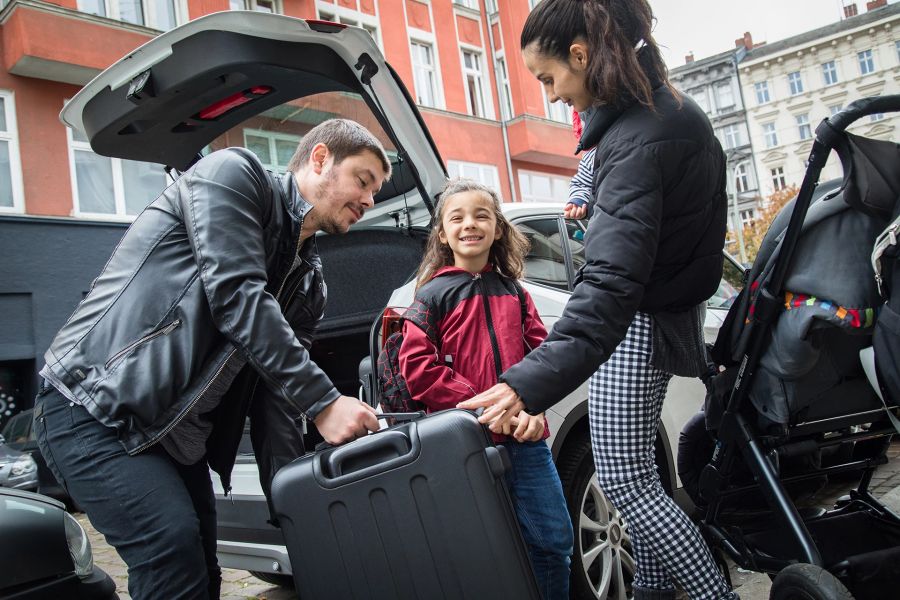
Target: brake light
column 391, row 322
column 217, row 109
column 325, row 26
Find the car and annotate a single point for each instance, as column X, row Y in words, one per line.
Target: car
column 51, row 556
column 17, row 469
column 260, row 81
column 19, row 435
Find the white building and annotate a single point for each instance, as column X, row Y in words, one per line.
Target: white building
column 791, row 85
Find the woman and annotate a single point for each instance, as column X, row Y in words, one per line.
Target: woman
column 653, row 256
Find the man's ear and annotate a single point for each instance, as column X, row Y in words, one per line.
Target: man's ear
column 578, row 55
column 318, row 157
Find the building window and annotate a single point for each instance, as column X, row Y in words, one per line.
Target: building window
column 268, row 6
column 834, row 109
column 472, row 4
column 10, row 168
column 732, row 137
column 741, row 178
column 557, row 111
column 829, row 73
column 747, row 217
column 778, row 181
column 771, row 135
column 506, row 107
column 762, row 92
column 699, row 96
column 110, row 187
column 424, row 74
column 876, row 117
column 724, row 97
column 158, row 14
column 795, row 83
column 897, row 48
column 542, row 187
column 803, row 126
column 484, row 174
column 348, row 16
column 474, row 79
column 866, row 62
column 491, row 6
column 274, row 150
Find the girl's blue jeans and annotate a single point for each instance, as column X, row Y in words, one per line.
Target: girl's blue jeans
column 537, row 496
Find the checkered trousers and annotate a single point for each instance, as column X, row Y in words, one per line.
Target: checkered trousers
column 625, row 398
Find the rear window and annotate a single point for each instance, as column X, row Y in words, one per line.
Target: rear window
column 274, row 134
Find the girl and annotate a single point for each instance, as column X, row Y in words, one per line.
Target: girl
column 473, row 309
column 653, row 256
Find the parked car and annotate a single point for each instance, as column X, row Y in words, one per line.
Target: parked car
column 17, row 469
column 51, row 556
column 261, row 81
column 19, row 435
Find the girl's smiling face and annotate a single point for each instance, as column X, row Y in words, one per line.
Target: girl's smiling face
column 469, row 227
column 563, row 81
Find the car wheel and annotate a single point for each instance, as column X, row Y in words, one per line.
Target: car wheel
column 285, row 581
column 602, row 561
column 803, row 581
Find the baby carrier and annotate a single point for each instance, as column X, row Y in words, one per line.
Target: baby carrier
column 797, row 379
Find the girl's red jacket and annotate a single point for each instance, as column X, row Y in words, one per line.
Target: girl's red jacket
column 470, row 316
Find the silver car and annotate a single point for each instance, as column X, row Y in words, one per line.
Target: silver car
column 17, row 469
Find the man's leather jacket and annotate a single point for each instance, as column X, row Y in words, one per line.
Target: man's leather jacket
column 204, row 272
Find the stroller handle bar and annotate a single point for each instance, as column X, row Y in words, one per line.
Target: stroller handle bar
column 861, row 108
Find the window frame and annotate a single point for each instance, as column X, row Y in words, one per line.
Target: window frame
column 481, row 80
column 565, row 248
column 741, row 174
column 795, row 83
column 761, row 88
column 731, row 135
column 272, row 137
column 507, row 109
column 432, row 68
column 829, row 73
column 770, row 134
column 804, row 129
column 725, row 107
column 777, row 177
column 866, row 57
column 11, row 136
column 118, row 182
column 112, row 10
column 551, row 176
column 350, row 16
column 455, row 167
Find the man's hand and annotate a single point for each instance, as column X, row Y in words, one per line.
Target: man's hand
column 346, row 419
column 530, row 428
column 575, row 211
column 501, row 403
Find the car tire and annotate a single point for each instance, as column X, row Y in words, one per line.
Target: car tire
column 602, row 561
column 802, row 581
column 285, row 581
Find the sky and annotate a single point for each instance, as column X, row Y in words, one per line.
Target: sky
column 707, row 27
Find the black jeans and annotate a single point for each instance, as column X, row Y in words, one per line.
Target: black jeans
column 159, row 515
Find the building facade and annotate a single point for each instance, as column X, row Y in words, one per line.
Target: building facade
column 713, row 84
column 791, row 85
column 63, row 207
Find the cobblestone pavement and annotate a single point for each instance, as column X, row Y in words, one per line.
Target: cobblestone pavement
column 240, row 585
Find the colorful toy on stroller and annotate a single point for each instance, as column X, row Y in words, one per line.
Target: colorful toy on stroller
column 799, row 395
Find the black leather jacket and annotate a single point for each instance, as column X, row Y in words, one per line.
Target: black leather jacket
column 201, row 274
column 654, row 242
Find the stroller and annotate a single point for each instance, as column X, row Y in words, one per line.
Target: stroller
column 794, row 398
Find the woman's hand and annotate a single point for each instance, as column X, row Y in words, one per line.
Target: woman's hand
column 501, row 403
column 575, row 211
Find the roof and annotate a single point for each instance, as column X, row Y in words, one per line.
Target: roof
column 823, row 32
column 701, row 63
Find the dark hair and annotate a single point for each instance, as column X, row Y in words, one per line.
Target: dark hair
column 612, row 29
column 507, row 253
column 343, row 138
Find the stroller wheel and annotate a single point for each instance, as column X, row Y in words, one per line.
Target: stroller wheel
column 803, row 581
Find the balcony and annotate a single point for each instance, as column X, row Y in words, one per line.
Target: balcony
column 47, row 41
column 542, row 142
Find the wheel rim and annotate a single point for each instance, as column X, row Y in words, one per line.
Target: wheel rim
column 605, row 548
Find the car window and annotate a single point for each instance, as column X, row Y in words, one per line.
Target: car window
column 18, row 429
column 575, row 236
column 729, row 288
column 545, row 262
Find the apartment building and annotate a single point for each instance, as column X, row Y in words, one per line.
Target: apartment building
column 792, row 84
column 63, row 207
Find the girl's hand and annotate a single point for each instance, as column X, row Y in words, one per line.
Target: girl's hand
column 530, row 427
column 501, row 403
column 575, row 211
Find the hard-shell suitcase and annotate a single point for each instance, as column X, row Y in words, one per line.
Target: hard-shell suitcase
column 418, row 510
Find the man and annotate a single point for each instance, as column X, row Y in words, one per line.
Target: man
column 203, row 315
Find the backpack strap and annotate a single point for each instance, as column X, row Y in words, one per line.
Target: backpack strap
column 886, row 240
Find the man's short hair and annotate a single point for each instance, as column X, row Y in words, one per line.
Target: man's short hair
column 343, row 138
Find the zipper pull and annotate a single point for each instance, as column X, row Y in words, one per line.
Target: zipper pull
column 892, row 234
column 303, row 426
column 476, row 276
column 171, row 327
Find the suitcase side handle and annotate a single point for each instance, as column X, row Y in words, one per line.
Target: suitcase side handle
column 366, row 456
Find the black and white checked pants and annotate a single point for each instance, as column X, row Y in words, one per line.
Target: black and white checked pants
column 625, row 398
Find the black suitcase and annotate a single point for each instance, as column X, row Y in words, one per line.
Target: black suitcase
column 418, row 510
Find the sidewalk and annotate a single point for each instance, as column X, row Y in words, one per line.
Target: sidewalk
column 240, row 585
